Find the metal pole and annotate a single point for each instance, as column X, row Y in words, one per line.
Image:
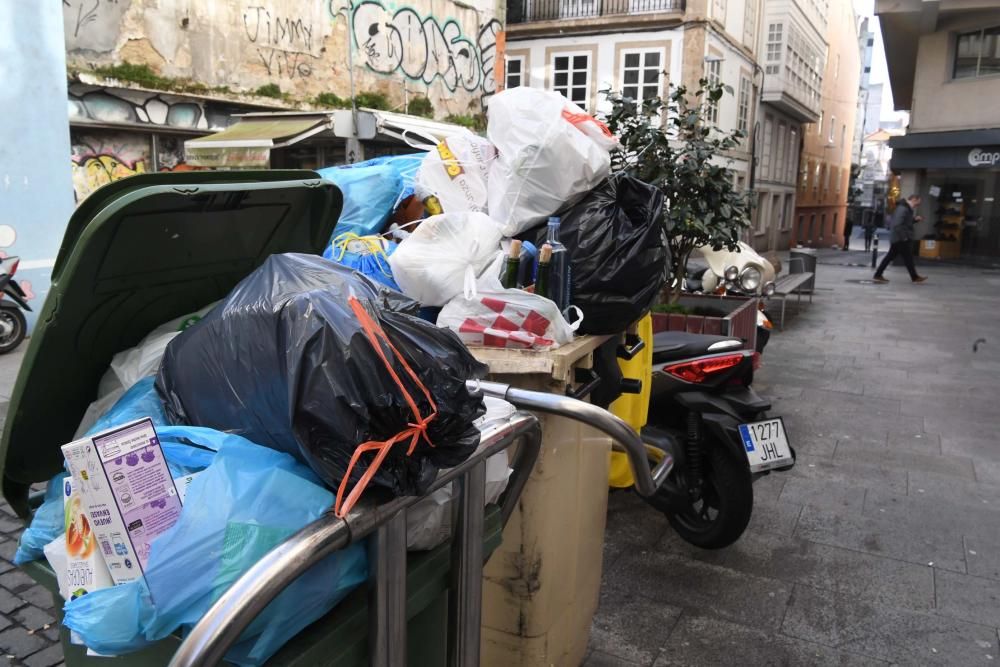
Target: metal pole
column 466, row 592
column 387, row 595
column 874, row 247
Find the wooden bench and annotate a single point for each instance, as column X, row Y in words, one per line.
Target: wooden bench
column 797, row 281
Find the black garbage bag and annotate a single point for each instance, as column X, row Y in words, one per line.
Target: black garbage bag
column 618, row 252
column 311, row 358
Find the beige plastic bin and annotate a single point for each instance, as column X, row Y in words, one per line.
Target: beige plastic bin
column 542, row 584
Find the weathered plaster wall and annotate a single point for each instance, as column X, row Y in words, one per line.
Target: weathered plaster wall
column 432, row 47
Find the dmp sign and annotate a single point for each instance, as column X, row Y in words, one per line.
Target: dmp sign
column 984, row 158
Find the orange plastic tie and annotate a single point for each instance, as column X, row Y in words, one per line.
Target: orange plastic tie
column 414, row 431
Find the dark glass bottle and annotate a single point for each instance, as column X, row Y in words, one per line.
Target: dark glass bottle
column 512, row 265
column 543, row 279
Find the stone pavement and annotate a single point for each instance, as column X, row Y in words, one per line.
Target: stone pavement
column 882, row 545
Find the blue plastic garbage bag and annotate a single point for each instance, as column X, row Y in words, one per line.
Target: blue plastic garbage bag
column 372, row 190
column 365, row 254
column 182, row 458
column 249, row 500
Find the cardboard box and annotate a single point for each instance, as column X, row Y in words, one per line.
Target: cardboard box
column 86, row 570
column 130, row 496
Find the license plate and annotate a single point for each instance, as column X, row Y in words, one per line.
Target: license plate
column 766, row 444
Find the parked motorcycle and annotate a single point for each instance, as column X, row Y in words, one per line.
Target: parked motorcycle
column 705, row 414
column 738, row 273
column 13, row 325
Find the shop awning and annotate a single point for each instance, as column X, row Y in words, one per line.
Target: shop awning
column 248, row 143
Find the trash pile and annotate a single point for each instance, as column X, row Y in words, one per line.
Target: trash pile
column 319, row 379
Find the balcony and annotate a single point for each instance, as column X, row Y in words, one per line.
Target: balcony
column 533, row 11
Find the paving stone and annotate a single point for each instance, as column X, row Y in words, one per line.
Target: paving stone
column 894, row 457
column 39, row 596
column 633, row 629
column 976, row 446
column 698, row 640
column 930, row 485
column 908, row 541
column 835, row 569
column 982, row 556
column 9, row 524
column 821, row 493
column 9, row 601
column 852, row 474
column 33, row 618
column 49, row 657
column 955, row 515
column 16, row 581
column 700, row 587
column 968, row 598
column 987, row 472
column 773, row 518
column 8, row 547
column 895, row 635
column 598, row 659
column 20, row 643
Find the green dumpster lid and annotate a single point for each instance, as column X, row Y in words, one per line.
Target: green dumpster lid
column 137, row 253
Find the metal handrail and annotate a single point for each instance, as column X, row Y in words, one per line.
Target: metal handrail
column 226, row 620
column 623, row 436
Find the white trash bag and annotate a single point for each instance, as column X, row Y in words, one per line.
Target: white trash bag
column 508, row 318
column 456, row 171
column 443, row 255
column 550, row 154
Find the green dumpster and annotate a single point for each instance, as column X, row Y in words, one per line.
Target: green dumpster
column 138, row 253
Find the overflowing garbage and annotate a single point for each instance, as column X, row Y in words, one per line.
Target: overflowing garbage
column 319, row 379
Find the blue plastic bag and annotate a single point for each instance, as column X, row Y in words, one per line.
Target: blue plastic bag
column 372, row 190
column 249, row 500
column 365, row 254
column 182, row 458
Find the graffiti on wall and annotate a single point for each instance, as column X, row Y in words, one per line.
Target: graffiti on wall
column 101, row 157
column 422, row 48
column 130, row 106
column 92, row 24
column 283, row 43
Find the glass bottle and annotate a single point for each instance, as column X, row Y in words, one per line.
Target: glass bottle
column 560, row 272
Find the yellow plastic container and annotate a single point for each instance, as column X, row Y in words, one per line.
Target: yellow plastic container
column 634, row 408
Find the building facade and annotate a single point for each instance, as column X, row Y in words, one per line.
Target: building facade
column 825, row 163
column 792, row 48
column 944, row 62
column 641, row 48
column 144, row 75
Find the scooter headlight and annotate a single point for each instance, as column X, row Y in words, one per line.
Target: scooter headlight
column 768, row 289
column 750, row 279
column 731, row 274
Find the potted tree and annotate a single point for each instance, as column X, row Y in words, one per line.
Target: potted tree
column 673, row 145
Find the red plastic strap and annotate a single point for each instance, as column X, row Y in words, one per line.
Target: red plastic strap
column 581, row 118
column 414, row 430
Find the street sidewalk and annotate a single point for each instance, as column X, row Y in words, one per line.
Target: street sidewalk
column 881, row 545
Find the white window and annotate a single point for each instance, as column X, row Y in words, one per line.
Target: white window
column 641, row 73
column 833, row 124
column 765, row 158
column 750, row 23
column 743, row 109
column 773, row 55
column 515, row 71
column 571, row 77
column 819, row 129
column 792, row 159
column 714, row 77
column 779, row 151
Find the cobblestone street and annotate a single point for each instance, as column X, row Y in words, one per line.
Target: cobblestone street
column 881, row 545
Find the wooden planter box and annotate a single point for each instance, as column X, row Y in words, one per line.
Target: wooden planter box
column 740, row 320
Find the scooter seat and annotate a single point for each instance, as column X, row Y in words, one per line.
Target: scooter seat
column 677, row 345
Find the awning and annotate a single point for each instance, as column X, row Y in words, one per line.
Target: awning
column 418, row 132
column 248, row 143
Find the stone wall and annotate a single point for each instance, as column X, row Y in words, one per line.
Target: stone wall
column 431, row 48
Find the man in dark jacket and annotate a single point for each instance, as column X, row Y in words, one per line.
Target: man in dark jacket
column 902, row 239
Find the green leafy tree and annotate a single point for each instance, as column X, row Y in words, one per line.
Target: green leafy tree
column 672, row 145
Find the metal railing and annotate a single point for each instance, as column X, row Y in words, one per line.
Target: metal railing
column 525, row 11
column 226, row 620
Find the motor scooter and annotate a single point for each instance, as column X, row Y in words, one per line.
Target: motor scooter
column 704, row 413
column 13, row 324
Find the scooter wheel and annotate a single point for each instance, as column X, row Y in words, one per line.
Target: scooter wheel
column 13, row 327
column 721, row 515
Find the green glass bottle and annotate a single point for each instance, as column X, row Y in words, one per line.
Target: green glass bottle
column 512, row 265
column 542, row 280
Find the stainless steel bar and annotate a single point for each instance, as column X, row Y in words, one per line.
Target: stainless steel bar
column 646, row 481
column 466, row 592
column 222, row 624
column 387, row 595
column 523, row 464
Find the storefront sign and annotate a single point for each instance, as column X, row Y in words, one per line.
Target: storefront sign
column 983, row 158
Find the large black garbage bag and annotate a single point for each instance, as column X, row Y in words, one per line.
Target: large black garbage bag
column 286, row 361
column 618, row 253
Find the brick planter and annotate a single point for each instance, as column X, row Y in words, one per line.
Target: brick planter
column 740, row 319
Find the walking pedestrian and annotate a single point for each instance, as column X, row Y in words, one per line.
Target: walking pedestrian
column 901, row 237
column 868, row 223
column 849, row 227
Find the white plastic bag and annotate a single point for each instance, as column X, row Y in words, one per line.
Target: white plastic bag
column 545, row 161
column 508, row 318
column 445, row 254
column 456, row 171
column 428, row 523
